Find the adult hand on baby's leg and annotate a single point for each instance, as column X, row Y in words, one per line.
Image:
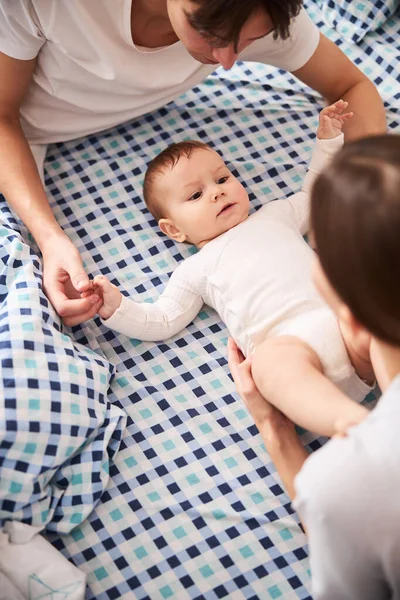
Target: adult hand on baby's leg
column 277, row 431
column 342, row 427
column 260, row 409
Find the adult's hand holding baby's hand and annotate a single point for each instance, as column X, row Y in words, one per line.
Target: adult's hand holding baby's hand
column 332, row 119
column 64, row 280
column 109, row 294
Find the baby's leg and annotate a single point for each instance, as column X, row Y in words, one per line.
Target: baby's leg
column 289, row 374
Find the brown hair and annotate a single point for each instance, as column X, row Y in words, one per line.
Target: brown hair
column 223, row 20
column 168, row 158
column 355, row 214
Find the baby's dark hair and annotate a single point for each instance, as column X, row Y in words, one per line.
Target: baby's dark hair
column 355, row 215
column 167, row 159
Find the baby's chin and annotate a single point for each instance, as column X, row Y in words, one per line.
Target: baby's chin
column 223, row 227
column 231, row 224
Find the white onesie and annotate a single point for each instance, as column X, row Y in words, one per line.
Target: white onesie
column 257, row 276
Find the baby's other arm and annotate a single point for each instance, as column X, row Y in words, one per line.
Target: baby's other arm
column 329, row 141
column 177, row 306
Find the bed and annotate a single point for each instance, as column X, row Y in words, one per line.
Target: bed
column 165, row 490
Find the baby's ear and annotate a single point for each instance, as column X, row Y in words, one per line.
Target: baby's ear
column 171, row 230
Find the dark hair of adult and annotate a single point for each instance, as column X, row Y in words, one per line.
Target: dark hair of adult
column 222, row 20
column 167, row 159
column 355, row 215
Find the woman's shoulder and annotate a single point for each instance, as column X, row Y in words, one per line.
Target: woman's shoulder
column 347, row 497
column 361, row 470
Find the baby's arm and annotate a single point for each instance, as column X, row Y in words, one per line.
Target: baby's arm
column 177, row 306
column 329, row 141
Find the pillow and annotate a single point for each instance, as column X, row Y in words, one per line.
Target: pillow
column 353, row 19
column 58, row 429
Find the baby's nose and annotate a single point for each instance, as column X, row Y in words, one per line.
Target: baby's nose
column 217, row 193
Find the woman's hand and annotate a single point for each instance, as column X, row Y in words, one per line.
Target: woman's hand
column 278, row 433
column 260, row 409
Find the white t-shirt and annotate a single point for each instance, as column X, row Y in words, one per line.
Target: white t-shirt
column 257, row 276
column 90, row 76
column 348, row 496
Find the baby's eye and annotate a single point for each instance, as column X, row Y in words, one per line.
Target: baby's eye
column 195, row 196
column 222, row 180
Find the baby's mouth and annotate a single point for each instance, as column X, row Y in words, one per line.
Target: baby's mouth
column 225, row 208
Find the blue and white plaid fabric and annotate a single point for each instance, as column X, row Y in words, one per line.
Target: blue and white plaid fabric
column 58, row 428
column 353, row 19
column 193, row 508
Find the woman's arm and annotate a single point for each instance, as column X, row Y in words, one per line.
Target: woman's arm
column 334, row 494
column 278, row 433
column 285, row 449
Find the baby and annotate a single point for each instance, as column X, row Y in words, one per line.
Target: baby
column 255, row 271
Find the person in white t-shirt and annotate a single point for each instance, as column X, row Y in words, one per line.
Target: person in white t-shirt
column 256, row 272
column 348, row 492
column 69, row 68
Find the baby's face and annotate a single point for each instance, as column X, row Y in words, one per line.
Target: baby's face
column 202, row 198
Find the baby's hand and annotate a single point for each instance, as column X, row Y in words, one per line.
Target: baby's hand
column 331, row 120
column 111, row 296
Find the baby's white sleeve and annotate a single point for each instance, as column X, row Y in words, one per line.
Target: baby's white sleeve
column 322, row 156
column 177, row 306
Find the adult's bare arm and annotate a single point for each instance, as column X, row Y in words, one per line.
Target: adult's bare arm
column 64, row 276
column 335, row 77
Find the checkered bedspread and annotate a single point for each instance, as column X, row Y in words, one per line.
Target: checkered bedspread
column 59, row 429
column 190, row 507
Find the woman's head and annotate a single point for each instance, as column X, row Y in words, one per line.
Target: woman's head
column 216, row 31
column 355, row 216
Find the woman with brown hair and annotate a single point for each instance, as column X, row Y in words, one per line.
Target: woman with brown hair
column 347, row 493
